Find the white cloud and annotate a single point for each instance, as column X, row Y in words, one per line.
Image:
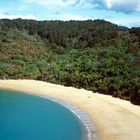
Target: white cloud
column 64, row 3
column 17, row 16
column 138, row 8
column 87, row 4
column 129, row 20
column 108, row 3
column 67, row 17
column 53, row 3
column 23, row 7
column 124, row 5
column 116, row 5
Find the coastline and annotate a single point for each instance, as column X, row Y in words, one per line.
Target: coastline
column 114, row 119
column 90, row 132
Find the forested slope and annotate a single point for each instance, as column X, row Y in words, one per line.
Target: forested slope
column 95, row 55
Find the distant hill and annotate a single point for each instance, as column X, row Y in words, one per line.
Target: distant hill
column 95, row 55
column 123, row 28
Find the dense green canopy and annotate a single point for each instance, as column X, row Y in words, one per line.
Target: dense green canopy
column 95, row 55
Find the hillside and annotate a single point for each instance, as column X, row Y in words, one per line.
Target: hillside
column 95, row 55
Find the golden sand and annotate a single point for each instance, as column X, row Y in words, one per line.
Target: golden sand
column 115, row 119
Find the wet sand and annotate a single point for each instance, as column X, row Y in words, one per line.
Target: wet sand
column 115, row 119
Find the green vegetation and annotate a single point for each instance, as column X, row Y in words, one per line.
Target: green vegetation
column 95, row 55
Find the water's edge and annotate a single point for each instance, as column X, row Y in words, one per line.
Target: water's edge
column 90, row 132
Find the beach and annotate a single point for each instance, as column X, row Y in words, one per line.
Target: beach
column 114, row 119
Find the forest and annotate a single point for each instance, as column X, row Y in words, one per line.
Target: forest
column 95, row 55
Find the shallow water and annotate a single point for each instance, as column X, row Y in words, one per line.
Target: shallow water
column 26, row 117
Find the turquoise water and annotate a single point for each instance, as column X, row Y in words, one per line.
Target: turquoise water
column 26, row 117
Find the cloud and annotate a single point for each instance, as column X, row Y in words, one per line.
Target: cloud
column 123, row 5
column 4, row 13
column 87, row 4
column 53, row 3
column 8, row 16
column 129, row 20
column 67, row 17
column 126, row 6
column 138, row 8
column 23, row 7
column 64, row 3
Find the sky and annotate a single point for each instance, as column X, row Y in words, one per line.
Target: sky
column 121, row 12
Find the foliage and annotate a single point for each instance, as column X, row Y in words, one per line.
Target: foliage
column 95, row 55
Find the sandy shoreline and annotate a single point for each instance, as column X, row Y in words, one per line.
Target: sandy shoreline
column 115, row 119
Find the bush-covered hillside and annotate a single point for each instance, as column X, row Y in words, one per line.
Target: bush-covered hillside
column 95, row 55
